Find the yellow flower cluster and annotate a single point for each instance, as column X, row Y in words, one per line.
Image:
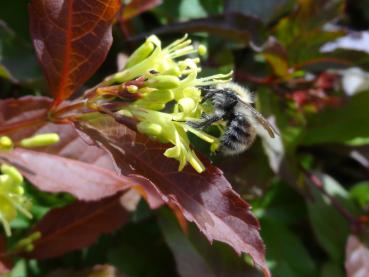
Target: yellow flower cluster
column 12, row 198
column 170, row 95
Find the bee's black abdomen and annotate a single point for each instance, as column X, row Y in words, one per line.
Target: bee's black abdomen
column 238, row 135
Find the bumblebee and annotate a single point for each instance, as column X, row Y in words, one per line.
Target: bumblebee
column 233, row 104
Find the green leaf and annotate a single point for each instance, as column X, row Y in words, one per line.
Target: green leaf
column 281, row 203
column 188, row 259
column 330, row 228
column 330, row 269
column 188, row 9
column 286, row 255
column 358, row 141
column 17, row 60
column 193, row 254
column 231, row 26
column 360, row 194
column 302, row 32
column 341, row 124
column 266, row 10
column 140, row 250
column 15, row 14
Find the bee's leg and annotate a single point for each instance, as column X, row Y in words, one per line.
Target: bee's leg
column 208, row 95
column 205, row 121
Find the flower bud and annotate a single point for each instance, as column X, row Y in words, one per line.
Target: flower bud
column 125, row 113
column 11, row 196
column 202, row 50
column 13, row 173
column 40, row 140
column 163, row 82
column 5, row 182
column 9, row 186
column 34, row 236
column 138, row 69
column 7, row 210
column 29, row 248
column 132, row 89
column 140, row 54
column 5, row 143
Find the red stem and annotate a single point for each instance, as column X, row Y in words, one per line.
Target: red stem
column 68, row 108
column 321, row 60
column 245, row 76
column 355, row 224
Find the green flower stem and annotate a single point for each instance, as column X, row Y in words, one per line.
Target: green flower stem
column 6, row 226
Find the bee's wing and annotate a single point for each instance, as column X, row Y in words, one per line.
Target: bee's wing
column 261, row 120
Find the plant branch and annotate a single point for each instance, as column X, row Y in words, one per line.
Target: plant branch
column 245, row 76
column 355, row 224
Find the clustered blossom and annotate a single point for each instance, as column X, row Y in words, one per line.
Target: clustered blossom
column 164, row 84
column 12, row 194
column 12, row 197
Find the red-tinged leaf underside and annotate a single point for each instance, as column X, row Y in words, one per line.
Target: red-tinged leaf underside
column 136, row 7
column 52, row 173
column 17, row 115
column 71, row 39
column 206, row 199
column 5, row 262
column 357, row 257
column 87, row 171
column 76, row 226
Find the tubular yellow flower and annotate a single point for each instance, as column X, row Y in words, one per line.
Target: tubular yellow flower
column 12, row 172
column 140, row 54
column 12, row 197
column 169, row 95
column 163, row 82
column 132, row 89
column 187, row 105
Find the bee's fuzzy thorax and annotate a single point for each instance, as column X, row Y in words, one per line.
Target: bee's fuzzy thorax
column 233, row 104
column 243, row 93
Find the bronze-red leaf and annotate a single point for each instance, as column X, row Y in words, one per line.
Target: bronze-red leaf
column 88, row 171
column 6, row 263
column 136, row 7
column 52, row 173
column 71, row 39
column 206, row 199
column 76, row 226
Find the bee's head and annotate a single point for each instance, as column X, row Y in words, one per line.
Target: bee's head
column 243, row 93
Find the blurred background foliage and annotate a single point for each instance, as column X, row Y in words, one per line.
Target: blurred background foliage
column 307, row 62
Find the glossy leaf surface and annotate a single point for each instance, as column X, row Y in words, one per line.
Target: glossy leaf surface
column 76, row 226
column 71, row 39
column 207, row 199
